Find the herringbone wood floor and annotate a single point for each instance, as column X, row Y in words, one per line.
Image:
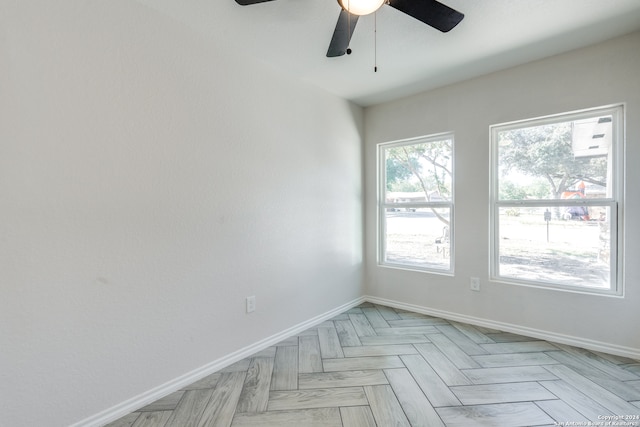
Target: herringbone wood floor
column 378, row 366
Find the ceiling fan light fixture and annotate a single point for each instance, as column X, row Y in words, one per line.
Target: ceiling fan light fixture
column 361, row 7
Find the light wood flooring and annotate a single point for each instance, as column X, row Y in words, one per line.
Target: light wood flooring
column 378, row 366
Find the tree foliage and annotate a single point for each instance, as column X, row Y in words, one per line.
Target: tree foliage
column 423, row 167
column 397, row 174
column 537, row 189
column 547, row 152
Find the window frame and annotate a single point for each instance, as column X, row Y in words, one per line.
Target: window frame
column 615, row 203
column 383, row 205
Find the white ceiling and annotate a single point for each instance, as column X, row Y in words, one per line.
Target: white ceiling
column 293, row 35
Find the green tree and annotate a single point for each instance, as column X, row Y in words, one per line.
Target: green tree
column 397, row 173
column 425, row 166
column 511, row 191
column 538, row 188
column 546, row 152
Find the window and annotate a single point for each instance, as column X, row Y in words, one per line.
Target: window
column 416, row 203
column 556, row 201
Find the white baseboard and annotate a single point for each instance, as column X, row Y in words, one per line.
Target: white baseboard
column 176, row 384
column 143, row 399
column 588, row 344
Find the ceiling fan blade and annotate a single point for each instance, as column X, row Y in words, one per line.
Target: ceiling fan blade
column 342, row 34
column 431, row 12
column 248, row 2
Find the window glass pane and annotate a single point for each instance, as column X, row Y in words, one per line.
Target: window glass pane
column 565, row 160
column 418, row 237
column 566, row 246
column 418, row 172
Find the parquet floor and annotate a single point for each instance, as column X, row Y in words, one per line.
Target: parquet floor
column 378, row 366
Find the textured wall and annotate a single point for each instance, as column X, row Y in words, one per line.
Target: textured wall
column 149, row 182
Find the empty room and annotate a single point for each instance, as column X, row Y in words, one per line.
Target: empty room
column 319, row 213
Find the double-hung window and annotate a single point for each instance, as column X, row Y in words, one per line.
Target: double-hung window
column 556, row 201
column 416, row 203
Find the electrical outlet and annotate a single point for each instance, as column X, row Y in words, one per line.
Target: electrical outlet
column 251, row 304
column 475, row 284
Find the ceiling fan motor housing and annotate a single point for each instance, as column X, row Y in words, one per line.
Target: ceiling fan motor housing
column 361, row 7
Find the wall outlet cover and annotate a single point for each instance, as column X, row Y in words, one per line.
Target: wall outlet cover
column 251, row 304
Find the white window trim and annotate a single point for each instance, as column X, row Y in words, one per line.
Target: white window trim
column 382, row 205
column 615, row 202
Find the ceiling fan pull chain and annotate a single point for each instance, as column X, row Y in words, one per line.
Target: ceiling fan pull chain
column 348, row 28
column 375, row 42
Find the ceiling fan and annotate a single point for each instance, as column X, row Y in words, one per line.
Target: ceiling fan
column 431, row 12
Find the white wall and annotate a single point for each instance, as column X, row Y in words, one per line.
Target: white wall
column 599, row 75
column 149, row 181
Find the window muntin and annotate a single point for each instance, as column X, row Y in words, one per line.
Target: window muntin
column 416, row 203
column 559, row 176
